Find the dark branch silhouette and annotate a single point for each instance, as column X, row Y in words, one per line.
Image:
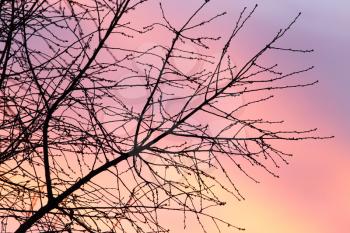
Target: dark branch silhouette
column 76, row 155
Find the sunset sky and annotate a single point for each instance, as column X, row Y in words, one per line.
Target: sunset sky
column 312, row 194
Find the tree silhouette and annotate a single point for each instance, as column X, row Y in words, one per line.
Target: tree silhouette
column 77, row 156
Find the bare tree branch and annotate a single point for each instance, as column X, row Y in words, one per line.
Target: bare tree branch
column 102, row 132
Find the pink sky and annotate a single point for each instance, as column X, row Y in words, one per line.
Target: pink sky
column 313, row 192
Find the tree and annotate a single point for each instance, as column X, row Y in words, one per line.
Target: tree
column 76, row 156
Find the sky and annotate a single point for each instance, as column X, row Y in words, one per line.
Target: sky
column 312, row 194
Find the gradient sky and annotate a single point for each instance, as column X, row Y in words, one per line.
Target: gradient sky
column 313, row 193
